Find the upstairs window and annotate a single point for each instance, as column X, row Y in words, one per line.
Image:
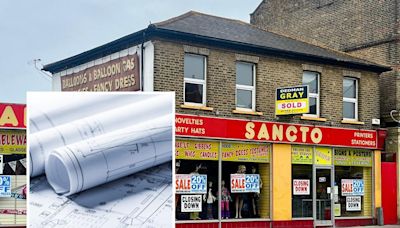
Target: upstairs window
column 350, row 98
column 195, row 79
column 312, row 80
column 245, row 86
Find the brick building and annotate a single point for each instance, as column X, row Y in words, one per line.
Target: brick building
column 225, row 74
column 368, row 29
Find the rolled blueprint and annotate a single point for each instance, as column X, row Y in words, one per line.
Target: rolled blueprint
column 43, row 142
column 104, row 158
column 77, row 107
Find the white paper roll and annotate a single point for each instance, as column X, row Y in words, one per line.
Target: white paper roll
column 43, row 142
column 85, row 164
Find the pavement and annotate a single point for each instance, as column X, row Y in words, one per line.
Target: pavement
column 385, row 226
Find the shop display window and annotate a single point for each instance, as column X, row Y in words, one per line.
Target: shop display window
column 302, row 182
column 14, row 170
column 245, row 184
column 238, row 189
column 353, row 178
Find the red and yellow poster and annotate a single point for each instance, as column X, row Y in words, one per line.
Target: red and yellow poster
column 245, row 152
column 12, row 142
column 196, row 150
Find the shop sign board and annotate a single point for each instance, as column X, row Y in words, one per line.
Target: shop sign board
column 12, row 142
column 323, row 156
column 120, row 74
column 245, row 183
column 302, row 155
column 190, row 183
column 352, row 187
column 191, row 203
column 5, row 186
column 196, row 150
column 292, row 100
column 353, row 157
column 301, row 187
column 260, row 131
column 353, row 203
column 12, row 116
column 246, row 152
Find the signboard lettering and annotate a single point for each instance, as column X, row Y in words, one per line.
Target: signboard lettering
column 245, row 183
column 352, row 187
column 191, row 203
column 301, row 187
column 353, row 203
column 12, row 142
column 291, row 100
column 190, row 183
column 261, row 131
column 120, row 74
column 5, row 186
column 245, row 152
column 196, row 150
column 12, row 116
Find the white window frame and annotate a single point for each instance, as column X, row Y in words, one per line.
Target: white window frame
column 352, row 100
column 248, row 88
column 314, row 95
column 196, row 81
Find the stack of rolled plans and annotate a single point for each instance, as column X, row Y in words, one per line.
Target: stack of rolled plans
column 81, row 140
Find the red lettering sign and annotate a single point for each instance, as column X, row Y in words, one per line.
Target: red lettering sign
column 12, row 116
column 234, row 129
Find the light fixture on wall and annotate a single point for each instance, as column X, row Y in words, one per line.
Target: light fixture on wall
column 392, row 115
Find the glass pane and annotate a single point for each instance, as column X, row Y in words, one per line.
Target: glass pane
column 349, row 110
column 193, row 93
column 244, row 74
column 194, row 66
column 302, row 191
column 311, row 79
column 349, row 88
column 244, row 98
column 313, row 106
column 323, row 194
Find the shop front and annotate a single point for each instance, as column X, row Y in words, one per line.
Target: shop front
column 12, row 165
column 231, row 172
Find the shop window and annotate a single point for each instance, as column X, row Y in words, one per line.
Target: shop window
column 195, row 79
column 245, row 184
column 353, row 178
column 350, row 98
column 196, row 180
column 14, row 171
column 311, row 79
column 302, row 182
column 245, row 85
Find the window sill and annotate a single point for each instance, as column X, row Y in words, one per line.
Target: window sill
column 247, row 112
column 204, row 108
column 352, row 122
column 313, row 118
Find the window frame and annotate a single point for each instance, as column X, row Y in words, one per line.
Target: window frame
column 246, row 87
column 202, row 82
column 351, row 100
column 314, row 95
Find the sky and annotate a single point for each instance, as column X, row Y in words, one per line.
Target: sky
column 54, row 30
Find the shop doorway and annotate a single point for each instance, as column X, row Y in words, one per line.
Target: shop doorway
column 322, row 203
column 389, row 192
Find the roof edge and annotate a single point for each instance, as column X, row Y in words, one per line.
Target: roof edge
column 97, row 52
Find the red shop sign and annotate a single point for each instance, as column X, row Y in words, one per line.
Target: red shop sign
column 12, row 116
column 234, row 129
